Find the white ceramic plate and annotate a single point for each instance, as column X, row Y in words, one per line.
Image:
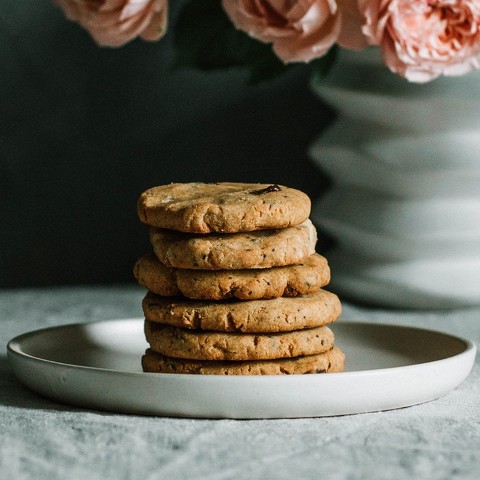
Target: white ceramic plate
column 97, row 366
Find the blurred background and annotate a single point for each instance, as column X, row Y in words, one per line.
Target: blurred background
column 84, row 130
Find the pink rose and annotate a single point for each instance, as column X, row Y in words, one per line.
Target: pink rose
column 299, row 30
column 422, row 39
column 113, row 23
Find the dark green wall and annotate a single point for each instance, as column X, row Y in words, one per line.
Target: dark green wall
column 84, row 130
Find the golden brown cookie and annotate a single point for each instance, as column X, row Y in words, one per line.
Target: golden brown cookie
column 328, row 362
column 281, row 314
column 157, row 278
column 201, row 345
column 235, row 251
column 154, row 276
column 289, row 281
column 222, row 207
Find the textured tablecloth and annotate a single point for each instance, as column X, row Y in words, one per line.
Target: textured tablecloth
column 40, row 439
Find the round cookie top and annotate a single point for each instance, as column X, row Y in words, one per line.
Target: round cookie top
column 281, row 314
column 235, row 251
column 222, row 207
column 198, row 345
column 248, row 284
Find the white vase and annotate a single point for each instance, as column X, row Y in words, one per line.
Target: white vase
column 404, row 206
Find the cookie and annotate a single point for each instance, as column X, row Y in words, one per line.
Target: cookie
column 289, row 281
column 222, row 207
column 328, row 362
column 201, row 345
column 157, row 278
column 235, row 251
column 281, row 314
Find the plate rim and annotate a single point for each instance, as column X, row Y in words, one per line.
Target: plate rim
column 13, row 351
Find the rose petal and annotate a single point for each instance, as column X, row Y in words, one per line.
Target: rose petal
column 422, row 40
column 299, row 30
column 114, row 23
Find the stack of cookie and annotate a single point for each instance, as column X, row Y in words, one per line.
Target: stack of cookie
column 234, row 283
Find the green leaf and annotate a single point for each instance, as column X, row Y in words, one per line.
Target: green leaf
column 263, row 64
column 321, row 66
column 206, row 39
